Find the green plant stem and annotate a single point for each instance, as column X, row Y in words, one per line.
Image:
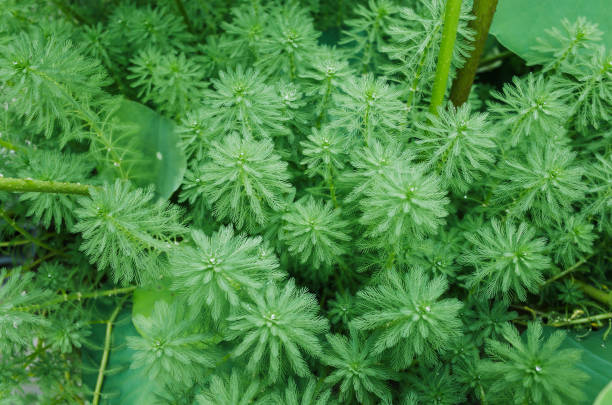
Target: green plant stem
column 70, row 13
column 15, row 243
column 588, row 319
column 332, row 187
column 8, row 145
column 483, row 10
column 595, row 293
column 445, row 56
column 38, row 261
column 415, row 81
column 41, row 186
column 323, row 105
column 104, row 361
column 25, row 233
column 89, row 117
column 78, row 296
column 181, row 8
column 494, row 58
column 419, row 70
column 567, row 271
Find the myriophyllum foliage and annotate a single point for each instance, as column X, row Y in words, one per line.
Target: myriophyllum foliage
column 277, row 329
column 315, row 232
column 170, row 349
column 411, row 318
column 508, row 260
column 457, row 144
column 126, row 231
column 309, row 393
column 242, row 101
column 529, row 107
column 236, row 388
column 358, row 372
column 245, row 180
column 286, row 223
column 535, row 371
column 403, row 201
column 218, row 270
column 544, row 182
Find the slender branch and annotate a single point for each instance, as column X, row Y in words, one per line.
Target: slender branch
column 588, row 319
column 25, row 233
column 69, row 12
column 31, row 265
column 332, row 187
column 567, row 271
column 104, row 361
column 28, row 185
column 494, row 58
column 483, row 10
column 8, row 145
column 181, row 8
column 78, row 296
column 15, row 243
column 445, row 56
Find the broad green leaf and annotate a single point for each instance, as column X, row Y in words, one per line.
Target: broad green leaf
column 159, row 159
column 605, row 396
column 144, row 299
column 518, row 23
column 596, row 360
column 122, row 385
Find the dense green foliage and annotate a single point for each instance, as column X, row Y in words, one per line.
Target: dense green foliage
column 333, row 239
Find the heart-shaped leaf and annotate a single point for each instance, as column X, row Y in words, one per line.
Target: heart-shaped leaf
column 596, row 360
column 157, row 158
column 518, row 23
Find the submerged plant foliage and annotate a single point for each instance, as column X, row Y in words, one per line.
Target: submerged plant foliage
column 285, row 213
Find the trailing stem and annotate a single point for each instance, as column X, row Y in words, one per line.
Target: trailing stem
column 445, row 56
column 105, row 354
column 323, row 105
column 332, row 187
column 595, row 293
column 25, row 233
column 77, row 296
column 41, row 186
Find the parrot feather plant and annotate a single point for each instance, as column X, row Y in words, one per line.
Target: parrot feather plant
column 331, row 213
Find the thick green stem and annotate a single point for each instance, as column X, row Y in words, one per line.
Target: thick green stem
column 77, row 296
column 445, row 56
column 42, row 186
column 596, row 294
column 483, row 10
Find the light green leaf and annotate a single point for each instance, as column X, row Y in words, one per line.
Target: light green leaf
column 518, row 23
column 605, row 396
column 144, row 299
column 159, row 159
